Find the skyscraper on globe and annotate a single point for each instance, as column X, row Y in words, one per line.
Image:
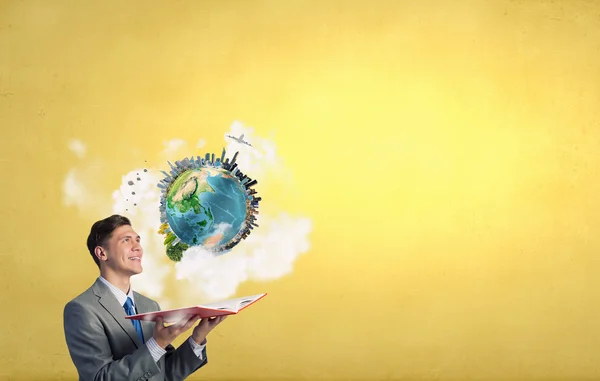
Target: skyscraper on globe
column 206, row 202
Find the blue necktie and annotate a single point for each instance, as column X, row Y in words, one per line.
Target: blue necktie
column 136, row 323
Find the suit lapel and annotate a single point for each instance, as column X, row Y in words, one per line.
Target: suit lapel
column 110, row 303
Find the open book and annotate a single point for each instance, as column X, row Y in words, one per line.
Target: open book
column 226, row 307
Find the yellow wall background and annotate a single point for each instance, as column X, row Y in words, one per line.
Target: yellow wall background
column 446, row 151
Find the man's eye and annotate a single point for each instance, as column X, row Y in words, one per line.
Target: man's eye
column 126, row 239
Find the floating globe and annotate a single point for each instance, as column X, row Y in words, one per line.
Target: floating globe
column 206, row 207
column 206, row 203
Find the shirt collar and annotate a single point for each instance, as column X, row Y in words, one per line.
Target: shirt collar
column 120, row 295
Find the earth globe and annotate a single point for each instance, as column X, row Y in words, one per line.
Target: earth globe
column 206, row 203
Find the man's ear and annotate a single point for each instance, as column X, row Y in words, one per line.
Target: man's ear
column 100, row 253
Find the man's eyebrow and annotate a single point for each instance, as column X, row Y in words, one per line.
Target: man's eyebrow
column 130, row 236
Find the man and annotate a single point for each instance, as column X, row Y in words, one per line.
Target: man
column 106, row 346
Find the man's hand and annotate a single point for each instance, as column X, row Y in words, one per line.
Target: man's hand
column 205, row 326
column 165, row 335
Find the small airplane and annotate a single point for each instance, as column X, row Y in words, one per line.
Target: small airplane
column 240, row 139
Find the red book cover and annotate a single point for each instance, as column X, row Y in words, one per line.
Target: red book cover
column 226, row 307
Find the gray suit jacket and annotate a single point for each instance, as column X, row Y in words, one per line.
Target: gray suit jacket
column 105, row 346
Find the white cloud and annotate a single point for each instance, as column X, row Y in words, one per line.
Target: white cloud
column 201, row 143
column 268, row 253
column 78, row 148
column 138, row 198
column 274, row 246
column 172, row 146
column 73, row 190
column 80, row 189
column 222, row 227
column 212, row 277
column 259, row 160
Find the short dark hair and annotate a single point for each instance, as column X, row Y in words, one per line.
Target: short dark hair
column 102, row 231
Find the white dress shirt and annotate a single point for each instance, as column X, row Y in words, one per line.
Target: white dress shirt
column 155, row 350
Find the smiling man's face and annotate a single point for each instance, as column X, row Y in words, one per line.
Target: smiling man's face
column 124, row 252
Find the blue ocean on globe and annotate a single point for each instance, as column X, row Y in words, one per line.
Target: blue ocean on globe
column 206, row 207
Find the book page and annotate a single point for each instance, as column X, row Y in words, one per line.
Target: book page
column 226, row 307
column 233, row 304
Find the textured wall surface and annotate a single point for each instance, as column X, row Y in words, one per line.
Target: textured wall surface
column 446, row 153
